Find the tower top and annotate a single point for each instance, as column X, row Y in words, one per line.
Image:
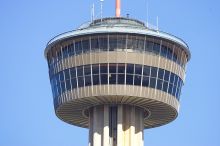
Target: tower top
column 118, row 8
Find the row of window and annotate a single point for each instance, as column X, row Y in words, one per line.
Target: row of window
column 129, row 74
column 116, row 43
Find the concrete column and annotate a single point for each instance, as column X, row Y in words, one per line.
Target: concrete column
column 105, row 119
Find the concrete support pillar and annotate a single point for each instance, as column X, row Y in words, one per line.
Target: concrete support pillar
column 116, row 125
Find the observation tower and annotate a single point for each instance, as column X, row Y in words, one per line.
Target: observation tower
column 116, row 77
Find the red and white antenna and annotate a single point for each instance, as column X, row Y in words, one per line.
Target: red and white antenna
column 118, row 8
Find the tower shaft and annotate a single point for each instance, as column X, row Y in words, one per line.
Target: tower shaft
column 116, row 125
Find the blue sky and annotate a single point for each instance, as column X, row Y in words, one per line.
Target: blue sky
column 26, row 112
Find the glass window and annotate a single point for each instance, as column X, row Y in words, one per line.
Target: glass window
column 129, row 79
column 94, row 44
column 86, row 46
column 121, row 78
column 121, row 42
column 104, row 79
column 169, row 53
column 130, row 42
column 80, row 71
column 112, row 78
column 146, row 71
column 149, row 46
column 153, row 72
column 95, row 69
column 160, row 73
column 176, row 80
column 74, row 83
column 172, row 78
column 159, row 84
column 78, row 47
column 166, row 75
column 156, row 48
column 61, row 76
column 67, row 74
column 145, row 81
column 73, row 72
column 121, row 68
column 112, row 68
column 68, row 85
column 103, row 42
column 164, row 51
column 87, row 70
column 96, row 80
column 138, row 69
column 71, row 49
column 140, row 45
column 137, row 80
column 63, row 87
column 130, row 69
column 174, row 91
column 112, row 43
column 170, row 88
column 152, row 82
column 80, row 81
column 165, row 86
column 104, row 68
column 88, row 81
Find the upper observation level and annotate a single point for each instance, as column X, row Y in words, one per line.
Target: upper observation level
column 119, row 25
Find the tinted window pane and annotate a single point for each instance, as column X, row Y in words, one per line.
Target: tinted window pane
column 87, row 80
column 172, row 78
column 67, row 74
column 94, row 44
column 153, row 72
column 103, row 42
column 74, row 83
column 160, row 73
column 78, row 47
column 73, row 72
column 112, row 43
column 112, row 68
column 169, row 53
column 165, row 86
column 85, row 46
column 164, row 51
column 121, row 42
column 80, row 71
column 149, row 46
column 146, row 71
column 104, row 68
column 87, row 70
column 174, row 91
column 129, row 79
column 80, row 81
column 176, row 80
column 95, row 69
column 159, row 84
column 130, row 69
column 170, row 89
column 138, row 69
column 68, row 85
column 96, row 80
column 140, row 45
column 112, row 78
column 166, row 75
column 152, row 82
column 121, row 68
column 145, row 81
column 156, row 49
column 63, row 88
column 104, row 79
column 121, row 79
column 61, row 76
column 137, row 80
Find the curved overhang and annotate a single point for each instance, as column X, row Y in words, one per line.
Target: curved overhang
column 119, row 29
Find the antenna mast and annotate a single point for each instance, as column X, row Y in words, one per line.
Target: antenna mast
column 118, row 8
column 101, row 1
